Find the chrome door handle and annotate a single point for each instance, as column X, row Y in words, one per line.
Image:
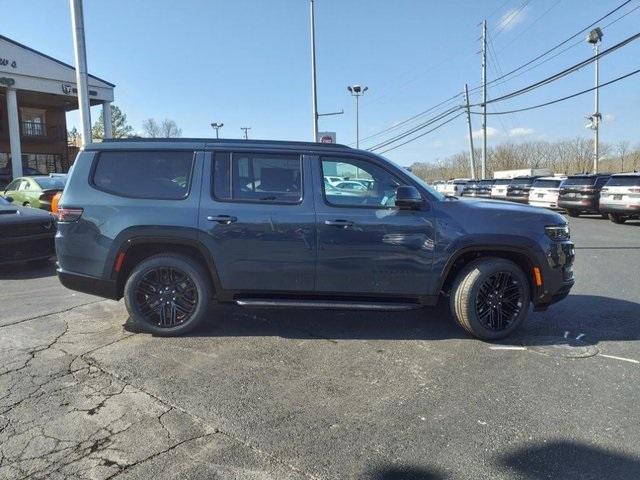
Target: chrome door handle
column 339, row 223
column 223, row 219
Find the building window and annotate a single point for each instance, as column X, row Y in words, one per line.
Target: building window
column 33, row 122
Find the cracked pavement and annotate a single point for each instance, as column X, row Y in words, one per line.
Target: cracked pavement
column 259, row 394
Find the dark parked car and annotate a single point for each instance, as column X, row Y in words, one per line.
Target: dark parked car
column 518, row 189
column 173, row 226
column 581, row 193
column 26, row 234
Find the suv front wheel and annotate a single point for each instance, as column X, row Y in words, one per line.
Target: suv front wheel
column 490, row 298
column 168, row 294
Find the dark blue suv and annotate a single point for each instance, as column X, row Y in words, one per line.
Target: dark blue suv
column 174, row 226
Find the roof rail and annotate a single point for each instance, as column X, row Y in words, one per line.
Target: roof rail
column 226, row 141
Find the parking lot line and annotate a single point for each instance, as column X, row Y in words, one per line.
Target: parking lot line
column 630, row 360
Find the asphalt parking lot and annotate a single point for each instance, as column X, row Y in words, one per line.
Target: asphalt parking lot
column 273, row 394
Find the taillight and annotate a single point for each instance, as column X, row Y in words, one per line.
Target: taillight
column 634, row 190
column 54, row 203
column 69, row 214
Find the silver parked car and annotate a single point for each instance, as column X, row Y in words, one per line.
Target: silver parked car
column 620, row 197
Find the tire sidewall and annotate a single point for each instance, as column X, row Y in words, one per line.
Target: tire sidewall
column 476, row 273
column 186, row 265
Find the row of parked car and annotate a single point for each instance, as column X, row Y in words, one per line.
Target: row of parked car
column 614, row 196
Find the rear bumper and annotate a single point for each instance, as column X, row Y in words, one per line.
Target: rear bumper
column 87, row 284
column 543, row 204
column 622, row 209
column 518, row 198
column 581, row 205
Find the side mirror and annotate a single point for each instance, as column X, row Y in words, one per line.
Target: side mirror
column 9, row 199
column 408, row 198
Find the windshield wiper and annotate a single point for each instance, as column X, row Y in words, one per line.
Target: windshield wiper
column 451, row 196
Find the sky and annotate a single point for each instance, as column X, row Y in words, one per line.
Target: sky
column 247, row 63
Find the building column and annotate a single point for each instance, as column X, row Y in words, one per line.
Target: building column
column 106, row 119
column 14, row 132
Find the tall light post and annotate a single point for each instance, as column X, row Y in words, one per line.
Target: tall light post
column 246, row 132
column 314, row 88
column 217, row 126
column 357, row 91
column 80, row 54
column 594, row 38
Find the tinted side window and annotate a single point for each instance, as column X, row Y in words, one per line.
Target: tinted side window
column 601, row 181
column 378, row 185
column 162, row 175
column 256, row 177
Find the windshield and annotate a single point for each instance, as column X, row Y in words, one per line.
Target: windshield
column 630, row 181
column 49, row 183
column 521, row 181
column 421, row 182
column 485, row 183
column 546, row 183
column 502, row 181
column 579, row 181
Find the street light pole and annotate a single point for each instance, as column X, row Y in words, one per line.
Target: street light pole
column 314, row 91
column 80, row 54
column 245, row 130
column 483, row 168
column 594, row 38
column 357, row 91
column 217, row 126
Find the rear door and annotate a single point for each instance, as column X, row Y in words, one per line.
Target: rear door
column 365, row 244
column 258, row 221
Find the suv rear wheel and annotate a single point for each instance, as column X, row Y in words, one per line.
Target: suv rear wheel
column 573, row 213
column 615, row 218
column 168, row 294
column 490, row 298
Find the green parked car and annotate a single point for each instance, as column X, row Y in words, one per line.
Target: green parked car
column 36, row 192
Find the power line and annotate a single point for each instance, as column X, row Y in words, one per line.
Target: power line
column 511, row 17
column 558, row 45
column 404, row 122
column 564, row 72
column 422, row 134
column 563, row 98
column 416, row 129
column 532, row 24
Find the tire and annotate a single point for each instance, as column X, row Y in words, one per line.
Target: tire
column 573, row 213
column 615, row 218
column 150, row 284
column 27, row 204
column 467, row 287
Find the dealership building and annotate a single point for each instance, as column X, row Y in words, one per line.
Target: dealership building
column 36, row 91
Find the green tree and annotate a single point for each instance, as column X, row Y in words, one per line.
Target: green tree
column 120, row 127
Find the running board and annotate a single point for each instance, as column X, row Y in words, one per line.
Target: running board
column 332, row 304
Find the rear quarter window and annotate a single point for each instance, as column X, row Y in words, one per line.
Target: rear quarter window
column 161, row 175
column 630, row 181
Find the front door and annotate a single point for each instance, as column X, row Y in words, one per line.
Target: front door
column 366, row 245
column 258, row 221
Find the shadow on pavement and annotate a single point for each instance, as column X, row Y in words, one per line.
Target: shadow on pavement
column 406, row 473
column 599, row 318
column 571, row 461
column 28, row 270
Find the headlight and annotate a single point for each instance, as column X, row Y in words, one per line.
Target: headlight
column 558, row 233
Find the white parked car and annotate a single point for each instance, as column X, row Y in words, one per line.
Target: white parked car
column 456, row 186
column 499, row 188
column 544, row 192
column 332, row 180
column 351, row 185
column 620, row 197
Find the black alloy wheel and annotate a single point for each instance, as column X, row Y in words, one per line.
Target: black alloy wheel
column 166, row 297
column 499, row 301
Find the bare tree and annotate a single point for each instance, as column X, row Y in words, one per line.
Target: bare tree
column 150, row 128
column 170, row 129
column 622, row 149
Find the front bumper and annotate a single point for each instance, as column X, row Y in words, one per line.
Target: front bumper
column 15, row 250
column 557, row 275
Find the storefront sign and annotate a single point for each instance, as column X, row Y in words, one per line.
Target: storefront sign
column 5, row 61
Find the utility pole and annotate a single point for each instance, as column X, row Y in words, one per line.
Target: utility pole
column 80, row 54
column 484, row 100
column 217, row 126
column 594, row 38
column 314, row 91
column 472, row 162
column 245, row 129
